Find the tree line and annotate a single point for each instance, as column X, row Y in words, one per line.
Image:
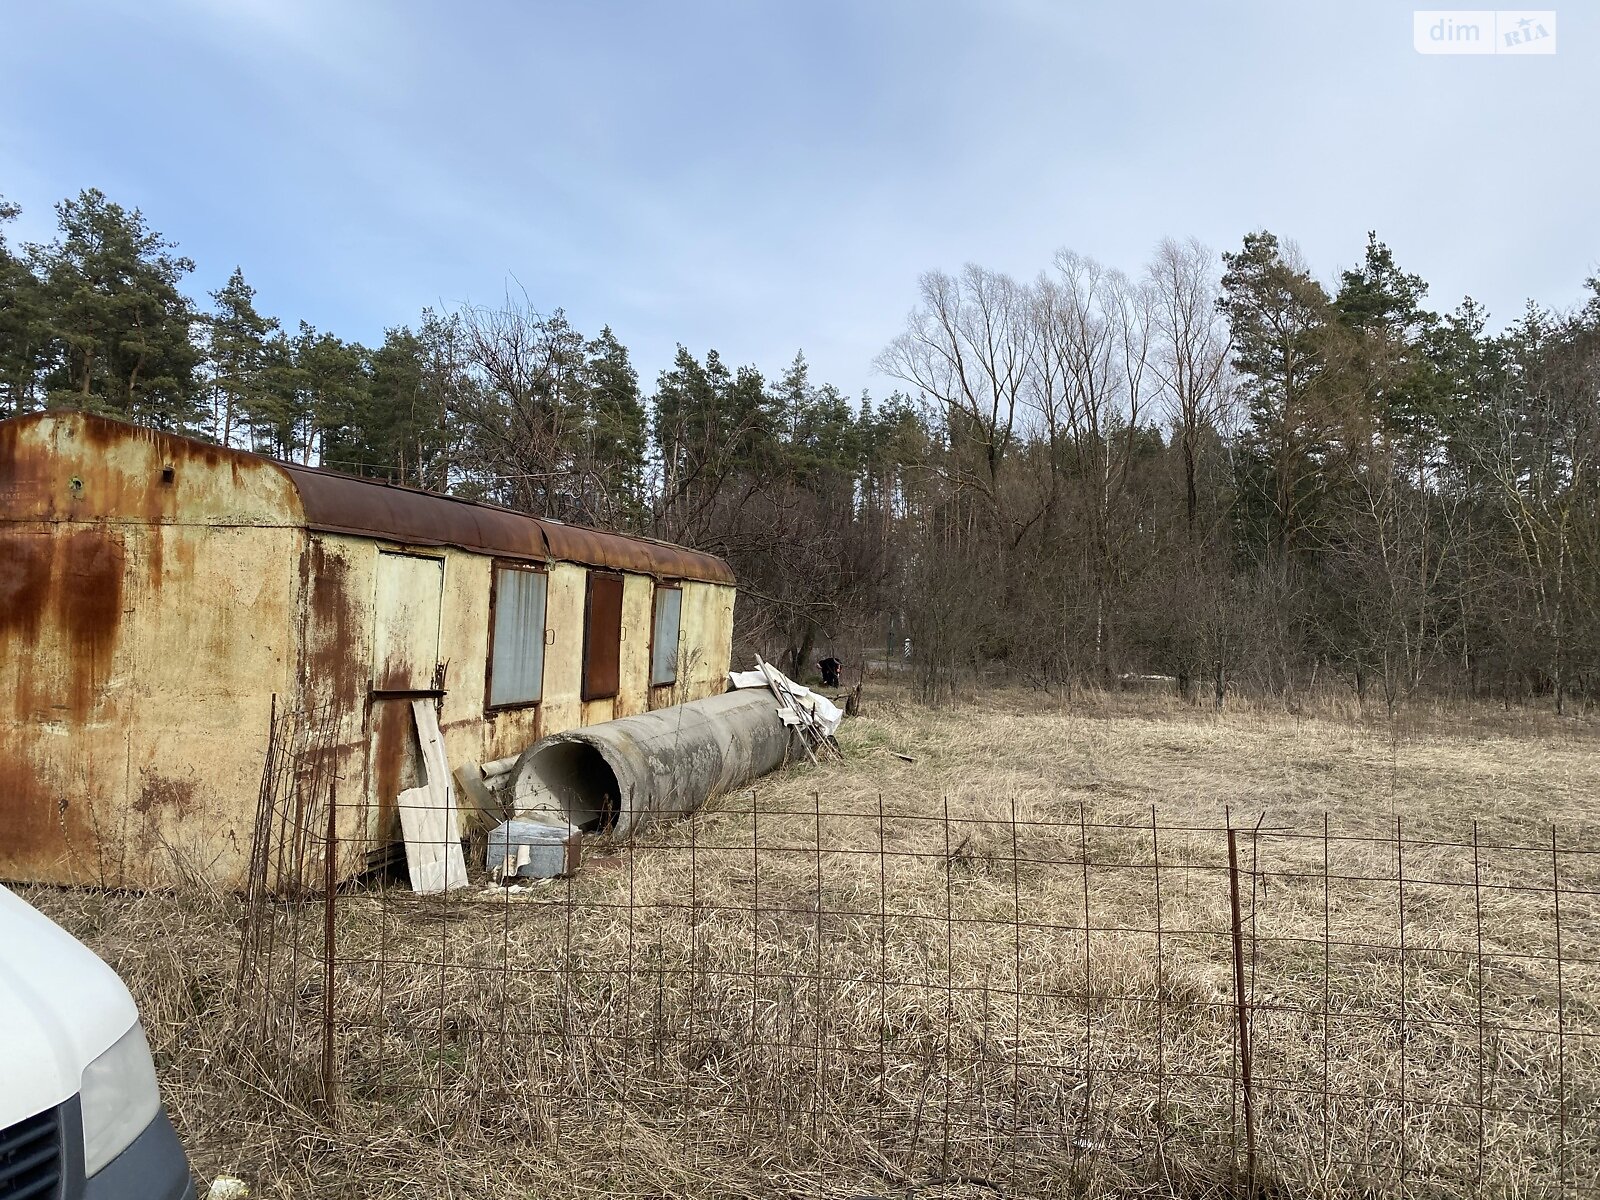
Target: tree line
column 1217, row 468
column 1223, row 470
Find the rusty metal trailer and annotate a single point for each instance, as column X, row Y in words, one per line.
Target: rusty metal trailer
column 160, row 595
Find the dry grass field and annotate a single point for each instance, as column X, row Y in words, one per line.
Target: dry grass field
column 958, row 975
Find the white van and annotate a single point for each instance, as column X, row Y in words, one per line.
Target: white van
column 80, row 1116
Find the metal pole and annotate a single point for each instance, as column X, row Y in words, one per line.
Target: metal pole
column 1242, row 1011
column 329, row 882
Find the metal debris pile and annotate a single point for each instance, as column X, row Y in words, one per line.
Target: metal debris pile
column 814, row 718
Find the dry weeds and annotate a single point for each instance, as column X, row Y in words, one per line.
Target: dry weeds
column 818, row 1018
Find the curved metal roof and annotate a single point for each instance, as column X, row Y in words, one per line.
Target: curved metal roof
column 338, row 503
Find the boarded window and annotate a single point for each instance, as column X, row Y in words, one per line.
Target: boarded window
column 664, row 636
column 602, row 636
column 405, row 636
column 516, row 656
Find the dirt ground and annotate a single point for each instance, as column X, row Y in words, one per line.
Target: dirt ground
column 961, row 974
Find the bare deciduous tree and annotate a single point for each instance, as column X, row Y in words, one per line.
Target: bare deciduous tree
column 1190, row 354
column 968, row 348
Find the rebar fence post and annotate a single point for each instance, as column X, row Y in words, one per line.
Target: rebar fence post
column 1242, row 1012
column 330, row 877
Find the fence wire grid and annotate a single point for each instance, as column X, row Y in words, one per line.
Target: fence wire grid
column 852, row 999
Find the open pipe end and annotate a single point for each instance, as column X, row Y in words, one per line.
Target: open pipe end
column 573, row 777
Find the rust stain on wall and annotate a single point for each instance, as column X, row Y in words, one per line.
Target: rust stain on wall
column 60, row 612
column 90, row 598
column 332, row 668
column 24, row 583
column 104, row 433
column 159, row 793
column 24, row 473
column 28, row 827
column 155, row 550
column 504, row 733
column 392, row 740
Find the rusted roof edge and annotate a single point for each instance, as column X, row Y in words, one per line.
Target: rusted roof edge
column 333, row 502
column 411, row 539
column 348, row 504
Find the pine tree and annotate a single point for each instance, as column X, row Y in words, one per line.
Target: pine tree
column 615, row 424
column 683, row 418
column 119, row 330
column 328, row 416
column 1281, row 319
column 22, row 327
column 404, row 428
column 237, row 358
column 1402, row 385
column 791, row 396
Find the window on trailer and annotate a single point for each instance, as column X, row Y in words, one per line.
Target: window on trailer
column 517, row 635
column 602, row 636
column 664, row 634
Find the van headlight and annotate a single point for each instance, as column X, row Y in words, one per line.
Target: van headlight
column 119, row 1098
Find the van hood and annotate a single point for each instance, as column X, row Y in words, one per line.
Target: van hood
column 60, row 1009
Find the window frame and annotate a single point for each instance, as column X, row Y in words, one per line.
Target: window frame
column 664, row 585
column 584, row 692
column 533, row 568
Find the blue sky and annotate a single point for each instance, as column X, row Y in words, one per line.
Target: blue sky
column 764, row 177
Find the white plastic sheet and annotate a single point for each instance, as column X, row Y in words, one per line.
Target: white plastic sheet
column 828, row 715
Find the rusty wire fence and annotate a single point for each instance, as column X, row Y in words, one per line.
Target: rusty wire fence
column 864, row 1000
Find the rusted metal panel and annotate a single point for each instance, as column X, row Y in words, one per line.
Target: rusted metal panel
column 602, row 636
column 61, row 612
column 27, row 569
column 405, row 639
column 144, row 608
column 26, row 474
column 508, row 732
column 128, row 747
column 706, row 618
column 334, row 632
column 394, row 765
column 634, row 669
column 344, row 504
column 623, row 552
column 563, row 660
column 67, row 466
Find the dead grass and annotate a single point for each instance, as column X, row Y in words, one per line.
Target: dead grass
column 758, row 1001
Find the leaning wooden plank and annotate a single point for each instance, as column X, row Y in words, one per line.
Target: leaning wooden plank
column 435, row 819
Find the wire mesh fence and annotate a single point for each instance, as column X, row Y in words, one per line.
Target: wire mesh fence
column 847, row 999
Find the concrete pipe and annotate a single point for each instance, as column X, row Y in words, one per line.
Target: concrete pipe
column 619, row 774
